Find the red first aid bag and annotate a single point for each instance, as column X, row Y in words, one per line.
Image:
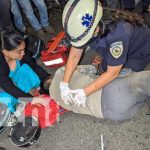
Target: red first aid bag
column 47, row 114
column 56, row 53
column 59, row 58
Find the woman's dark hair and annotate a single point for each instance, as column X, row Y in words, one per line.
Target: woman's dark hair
column 10, row 39
column 112, row 17
column 133, row 18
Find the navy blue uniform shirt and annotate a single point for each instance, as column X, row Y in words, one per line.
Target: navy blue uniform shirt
column 125, row 45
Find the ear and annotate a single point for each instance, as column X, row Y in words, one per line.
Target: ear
column 96, row 31
column 5, row 52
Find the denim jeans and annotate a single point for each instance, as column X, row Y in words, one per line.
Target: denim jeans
column 5, row 16
column 131, row 3
column 28, row 10
column 17, row 16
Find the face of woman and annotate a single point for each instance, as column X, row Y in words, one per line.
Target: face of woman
column 17, row 53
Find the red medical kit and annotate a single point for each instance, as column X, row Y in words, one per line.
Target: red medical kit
column 56, row 53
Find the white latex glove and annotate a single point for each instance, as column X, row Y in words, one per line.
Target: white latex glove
column 79, row 98
column 65, row 93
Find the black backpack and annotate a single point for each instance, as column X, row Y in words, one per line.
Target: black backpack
column 34, row 45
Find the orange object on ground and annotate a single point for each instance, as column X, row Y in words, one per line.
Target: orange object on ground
column 56, row 42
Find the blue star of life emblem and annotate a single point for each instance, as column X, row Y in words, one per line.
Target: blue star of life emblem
column 86, row 20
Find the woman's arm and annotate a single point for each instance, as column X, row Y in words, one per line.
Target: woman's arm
column 73, row 60
column 8, row 86
column 104, row 79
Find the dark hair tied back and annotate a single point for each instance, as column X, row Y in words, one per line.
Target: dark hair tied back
column 10, row 39
column 133, row 18
column 117, row 15
column 111, row 17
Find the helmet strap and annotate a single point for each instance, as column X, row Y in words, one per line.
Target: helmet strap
column 105, row 27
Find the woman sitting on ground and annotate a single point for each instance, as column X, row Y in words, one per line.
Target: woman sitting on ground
column 20, row 77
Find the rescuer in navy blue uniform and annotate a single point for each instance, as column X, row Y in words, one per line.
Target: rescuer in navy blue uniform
column 125, row 44
column 123, row 40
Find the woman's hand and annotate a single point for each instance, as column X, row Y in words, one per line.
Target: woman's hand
column 47, row 83
column 79, row 97
column 39, row 101
column 34, row 92
column 65, row 93
column 97, row 60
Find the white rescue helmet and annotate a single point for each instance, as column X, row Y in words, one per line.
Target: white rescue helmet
column 80, row 18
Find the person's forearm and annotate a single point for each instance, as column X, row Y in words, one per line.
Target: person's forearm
column 99, row 83
column 73, row 60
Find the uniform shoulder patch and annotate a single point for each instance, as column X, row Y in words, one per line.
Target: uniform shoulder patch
column 116, row 49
